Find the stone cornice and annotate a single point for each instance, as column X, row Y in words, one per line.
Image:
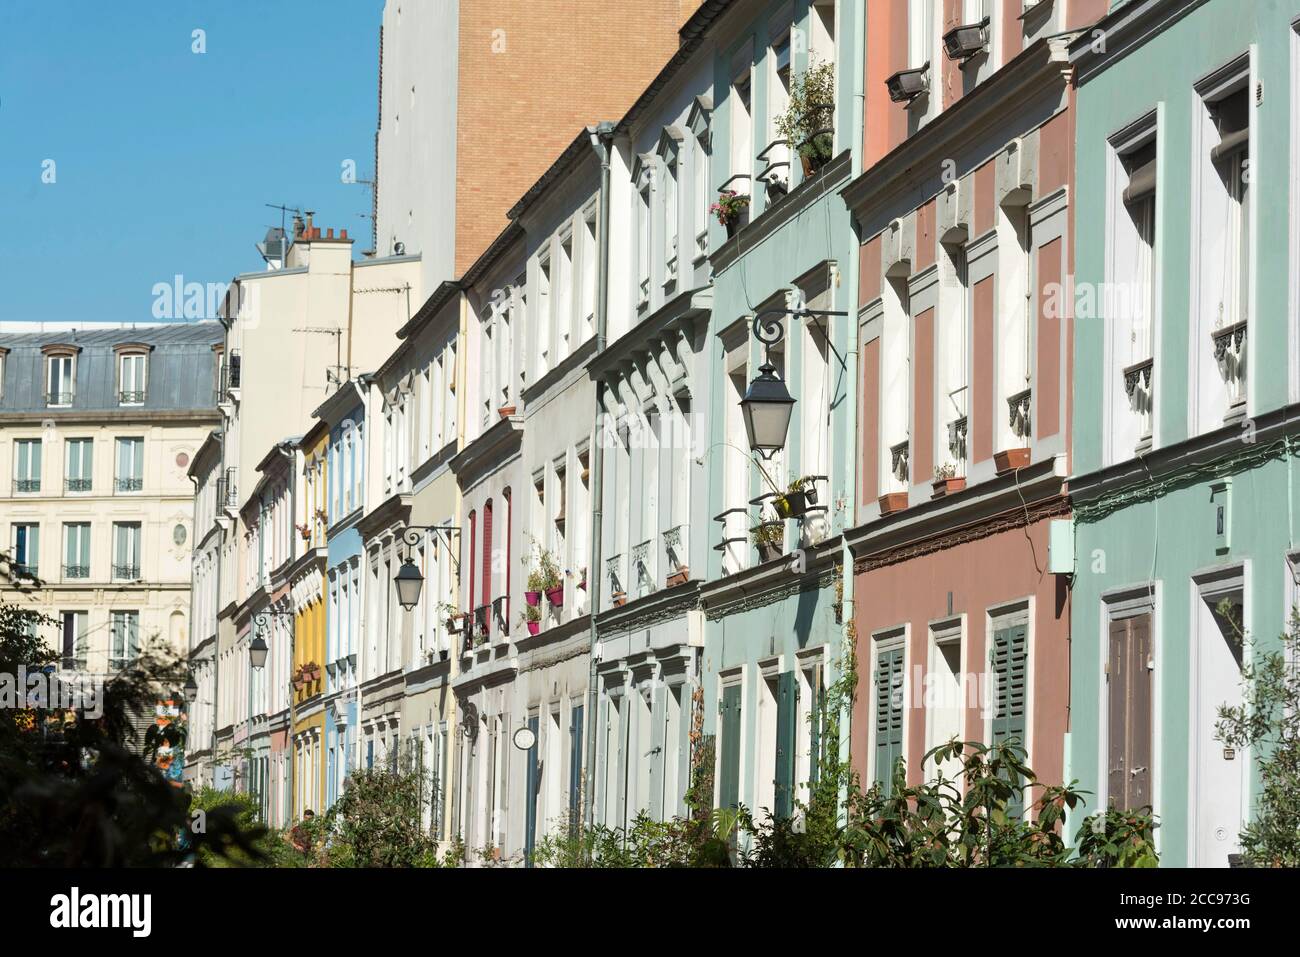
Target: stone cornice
column 495, row 445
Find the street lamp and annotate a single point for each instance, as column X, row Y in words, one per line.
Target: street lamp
column 191, row 689
column 767, row 404
column 408, row 580
column 257, row 650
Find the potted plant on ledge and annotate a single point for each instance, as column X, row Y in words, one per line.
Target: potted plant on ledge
column 678, row 577
column 544, row 576
column 732, row 210
column 809, row 120
column 794, row 501
column 946, row 480
column 769, row 539
column 531, row 616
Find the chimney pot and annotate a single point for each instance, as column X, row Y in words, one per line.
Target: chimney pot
column 343, row 234
column 329, row 233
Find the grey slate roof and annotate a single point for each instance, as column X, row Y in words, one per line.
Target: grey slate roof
column 182, row 371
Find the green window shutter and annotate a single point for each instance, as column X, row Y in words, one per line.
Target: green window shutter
column 729, row 786
column 1010, row 666
column 818, row 705
column 787, row 723
column 1010, row 660
column 530, row 796
column 889, row 715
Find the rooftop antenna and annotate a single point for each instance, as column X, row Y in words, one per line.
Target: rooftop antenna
column 283, row 210
column 332, row 374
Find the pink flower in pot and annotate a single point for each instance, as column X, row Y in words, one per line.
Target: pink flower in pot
column 534, row 627
column 555, row 596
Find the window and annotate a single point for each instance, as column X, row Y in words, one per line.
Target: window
column 487, row 361
column 742, row 147
column 564, row 298
column 543, row 315
column 670, row 215
column 887, row 691
column 1131, row 324
column 1129, row 712
column 126, row 551
column 76, row 550
column 130, row 465
column 74, row 641
column 944, row 704
column 920, row 32
column 78, row 465
column 642, row 176
column 952, row 362
column 3, row 354
column 730, row 722
column 25, row 549
column 822, row 22
column 131, row 378
column 61, row 385
column 589, row 253
column 124, row 628
column 27, row 465
column 1009, row 661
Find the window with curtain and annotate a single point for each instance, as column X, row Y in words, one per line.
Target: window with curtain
column 130, row 465
column 27, row 465
column 76, row 550
column 26, row 549
column 78, row 465
column 126, row 551
column 124, row 636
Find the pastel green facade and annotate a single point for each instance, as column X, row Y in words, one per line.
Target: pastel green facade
column 1148, row 533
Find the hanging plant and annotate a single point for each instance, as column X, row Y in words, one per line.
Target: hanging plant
column 809, row 119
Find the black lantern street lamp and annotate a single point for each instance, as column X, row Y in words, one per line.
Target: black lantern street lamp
column 191, row 689
column 257, row 650
column 768, row 405
column 408, row 581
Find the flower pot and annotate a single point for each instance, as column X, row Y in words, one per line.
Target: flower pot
column 736, row 223
column 506, row 411
column 619, row 598
column 534, row 627
column 555, row 596
column 791, row 504
column 533, row 598
column 769, row 553
column 1010, row 459
column 892, row 502
column 947, row 486
column 679, row 577
column 811, row 494
column 582, row 585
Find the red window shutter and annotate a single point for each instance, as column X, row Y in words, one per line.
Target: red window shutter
column 487, row 553
column 510, row 517
column 472, row 545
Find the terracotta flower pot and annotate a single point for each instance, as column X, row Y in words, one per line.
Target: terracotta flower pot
column 892, row 502
column 678, row 577
column 534, row 627
column 533, row 598
column 948, row 486
column 619, row 598
column 555, row 596
column 1010, row 459
column 506, row 411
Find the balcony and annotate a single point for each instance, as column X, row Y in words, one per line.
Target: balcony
column 27, row 485
column 58, row 400
column 23, row 570
column 1137, row 386
column 76, row 485
column 126, row 573
column 775, row 174
column 1230, row 356
column 734, row 540
column 128, row 484
column 75, row 572
column 676, row 554
column 642, row 566
column 233, row 370
column 131, row 398
column 614, row 572
column 1020, row 414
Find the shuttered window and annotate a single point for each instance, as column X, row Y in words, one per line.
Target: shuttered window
column 534, row 783
column 575, row 767
column 1128, row 690
column 487, row 553
column 1010, row 661
column 787, row 724
column 729, row 786
column 889, row 715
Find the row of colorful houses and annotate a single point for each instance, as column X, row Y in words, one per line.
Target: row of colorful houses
column 1008, row 260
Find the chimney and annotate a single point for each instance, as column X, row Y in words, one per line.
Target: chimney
column 297, row 226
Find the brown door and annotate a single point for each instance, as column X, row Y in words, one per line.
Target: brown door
column 1129, row 691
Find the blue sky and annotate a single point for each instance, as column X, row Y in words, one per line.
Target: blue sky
column 164, row 157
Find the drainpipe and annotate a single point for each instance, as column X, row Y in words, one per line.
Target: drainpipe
column 856, row 126
column 602, row 140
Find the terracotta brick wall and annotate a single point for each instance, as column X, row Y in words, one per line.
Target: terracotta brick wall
column 532, row 73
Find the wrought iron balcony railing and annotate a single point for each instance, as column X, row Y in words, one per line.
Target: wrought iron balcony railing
column 128, row 484
column 27, row 485
column 131, row 398
column 76, row 571
column 57, row 399
column 126, row 572
column 76, row 485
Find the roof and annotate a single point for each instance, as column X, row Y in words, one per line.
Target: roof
column 181, row 377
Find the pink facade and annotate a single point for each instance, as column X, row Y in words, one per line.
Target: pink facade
column 964, row 217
